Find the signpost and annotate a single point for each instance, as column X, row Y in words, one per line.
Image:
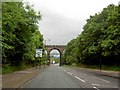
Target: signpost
column 38, row 52
column 37, row 55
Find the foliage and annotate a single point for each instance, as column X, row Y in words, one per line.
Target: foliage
column 57, row 60
column 70, row 54
column 99, row 40
column 20, row 33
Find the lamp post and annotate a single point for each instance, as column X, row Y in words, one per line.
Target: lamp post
column 45, row 48
column 100, row 55
column 45, row 41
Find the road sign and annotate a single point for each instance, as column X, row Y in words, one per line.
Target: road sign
column 38, row 52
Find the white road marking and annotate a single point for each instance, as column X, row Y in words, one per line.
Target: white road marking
column 101, row 79
column 96, row 88
column 59, row 67
column 97, row 84
column 115, row 87
column 69, row 73
column 65, row 70
column 79, row 79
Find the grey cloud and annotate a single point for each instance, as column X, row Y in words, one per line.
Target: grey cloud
column 59, row 29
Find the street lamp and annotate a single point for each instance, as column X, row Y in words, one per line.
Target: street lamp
column 45, row 47
column 45, row 41
column 100, row 55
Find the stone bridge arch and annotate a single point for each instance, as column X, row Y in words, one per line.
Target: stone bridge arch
column 60, row 48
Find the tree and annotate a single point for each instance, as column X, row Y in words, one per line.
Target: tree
column 20, row 33
column 100, row 39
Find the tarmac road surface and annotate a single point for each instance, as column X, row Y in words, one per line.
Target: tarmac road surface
column 66, row 77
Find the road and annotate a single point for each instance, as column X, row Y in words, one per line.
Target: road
column 65, row 77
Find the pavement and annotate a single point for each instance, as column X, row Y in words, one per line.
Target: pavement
column 114, row 74
column 110, row 74
column 19, row 78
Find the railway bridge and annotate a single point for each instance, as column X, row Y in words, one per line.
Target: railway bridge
column 60, row 48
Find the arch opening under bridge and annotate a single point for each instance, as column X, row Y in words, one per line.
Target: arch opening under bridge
column 60, row 48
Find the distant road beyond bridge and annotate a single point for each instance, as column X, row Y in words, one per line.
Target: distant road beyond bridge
column 60, row 48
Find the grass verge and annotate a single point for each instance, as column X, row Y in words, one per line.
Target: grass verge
column 9, row 69
column 104, row 67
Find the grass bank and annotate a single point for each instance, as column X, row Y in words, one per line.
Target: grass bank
column 104, row 67
column 9, row 69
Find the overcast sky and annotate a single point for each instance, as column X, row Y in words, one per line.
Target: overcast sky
column 63, row 20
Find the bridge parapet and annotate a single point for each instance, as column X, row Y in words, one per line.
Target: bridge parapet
column 55, row 45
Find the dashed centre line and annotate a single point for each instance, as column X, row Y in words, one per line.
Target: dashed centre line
column 74, row 76
column 69, row 73
column 94, row 85
column 96, row 88
column 64, row 70
column 97, row 84
column 79, row 79
column 101, row 79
